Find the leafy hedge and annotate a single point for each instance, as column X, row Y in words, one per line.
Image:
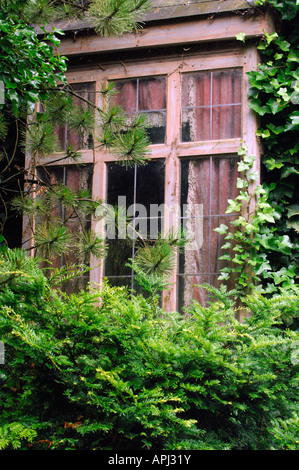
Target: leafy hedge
column 126, row 375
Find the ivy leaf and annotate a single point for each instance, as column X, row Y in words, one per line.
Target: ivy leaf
column 284, row 45
column 293, row 210
column 293, row 56
column 241, row 37
column 273, row 105
column 289, row 171
column 283, row 92
column 272, row 164
column 257, row 106
column 221, row 229
column 293, row 224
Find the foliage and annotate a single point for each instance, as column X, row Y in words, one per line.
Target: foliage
column 110, row 18
column 32, row 73
column 122, row 373
column 125, row 375
column 266, row 239
column 288, row 9
column 252, row 239
column 28, row 66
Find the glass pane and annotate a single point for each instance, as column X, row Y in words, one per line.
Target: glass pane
column 206, row 186
column 195, row 183
column 71, row 137
column 156, row 127
column 76, row 178
column 226, row 122
column 211, row 105
column 227, row 86
column 127, row 95
column 50, row 176
column 150, row 184
column 196, row 89
column 196, row 124
column 152, row 94
column 118, row 253
column 224, row 174
column 147, row 96
column 140, row 191
column 125, row 281
column 75, row 138
column 120, row 185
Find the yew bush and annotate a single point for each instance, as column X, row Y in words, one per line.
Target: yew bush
column 112, row 370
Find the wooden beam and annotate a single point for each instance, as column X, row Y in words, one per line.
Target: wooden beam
column 196, row 31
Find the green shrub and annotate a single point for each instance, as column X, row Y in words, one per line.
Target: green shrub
column 111, row 370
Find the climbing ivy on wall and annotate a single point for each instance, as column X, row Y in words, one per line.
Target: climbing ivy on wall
column 274, row 96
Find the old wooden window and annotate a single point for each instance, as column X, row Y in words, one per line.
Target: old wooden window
column 145, row 96
column 208, row 182
column 82, row 95
column 136, row 191
column 198, row 117
column 76, row 178
column 211, row 105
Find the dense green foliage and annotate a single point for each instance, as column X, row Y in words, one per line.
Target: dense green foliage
column 31, row 73
column 265, row 235
column 126, row 375
column 253, row 236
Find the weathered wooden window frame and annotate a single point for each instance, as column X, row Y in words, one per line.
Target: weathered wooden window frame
column 173, row 149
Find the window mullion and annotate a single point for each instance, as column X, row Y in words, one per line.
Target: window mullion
column 173, row 106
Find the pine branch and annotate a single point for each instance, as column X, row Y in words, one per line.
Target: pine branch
column 116, row 17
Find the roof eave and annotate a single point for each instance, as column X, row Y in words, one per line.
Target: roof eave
column 165, row 10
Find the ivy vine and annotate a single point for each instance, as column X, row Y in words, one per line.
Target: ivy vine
column 267, row 242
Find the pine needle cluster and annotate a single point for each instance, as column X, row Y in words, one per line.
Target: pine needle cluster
column 116, row 17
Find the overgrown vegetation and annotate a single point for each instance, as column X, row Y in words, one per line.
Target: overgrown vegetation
column 126, row 375
column 267, row 238
column 37, row 102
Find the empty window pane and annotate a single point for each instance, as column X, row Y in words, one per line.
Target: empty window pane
column 211, row 105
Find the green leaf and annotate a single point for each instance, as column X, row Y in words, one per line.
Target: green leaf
column 221, row 229
column 283, row 44
column 241, row 37
column 291, row 170
column 274, row 105
column 257, row 106
column 293, row 56
column 293, row 210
